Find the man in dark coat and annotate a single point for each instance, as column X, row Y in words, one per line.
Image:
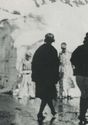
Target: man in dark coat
column 79, row 61
column 45, row 68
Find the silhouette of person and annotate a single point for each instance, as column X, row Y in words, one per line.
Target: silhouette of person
column 45, row 74
column 66, row 82
column 79, row 61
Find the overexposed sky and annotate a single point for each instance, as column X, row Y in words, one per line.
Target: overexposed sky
column 69, row 24
column 22, row 5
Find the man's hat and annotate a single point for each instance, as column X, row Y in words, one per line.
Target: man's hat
column 49, row 37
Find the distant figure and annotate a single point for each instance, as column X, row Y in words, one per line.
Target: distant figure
column 45, row 66
column 26, row 89
column 65, row 70
column 79, row 61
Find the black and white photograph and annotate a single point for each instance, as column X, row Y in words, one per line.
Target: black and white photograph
column 43, row 62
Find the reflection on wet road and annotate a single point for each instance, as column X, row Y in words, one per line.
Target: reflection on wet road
column 15, row 112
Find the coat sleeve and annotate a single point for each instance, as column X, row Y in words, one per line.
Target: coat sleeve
column 34, row 66
column 57, row 67
column 74, row 58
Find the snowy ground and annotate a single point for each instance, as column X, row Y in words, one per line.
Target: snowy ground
column 13, row 112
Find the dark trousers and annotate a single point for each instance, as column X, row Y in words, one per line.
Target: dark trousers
column 44, row 102
column 83, row 107
column 82, row 83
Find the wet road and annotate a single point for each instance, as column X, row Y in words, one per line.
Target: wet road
column 14, row 112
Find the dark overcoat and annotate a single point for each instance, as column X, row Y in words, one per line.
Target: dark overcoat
column 45, row 67
column 80, row 60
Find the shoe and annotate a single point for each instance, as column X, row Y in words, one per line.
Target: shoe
column 40, row 117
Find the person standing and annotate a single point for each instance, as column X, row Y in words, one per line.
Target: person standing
column 79, row 61
column 66, row 73
column 45, row 74
column 26, row 89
